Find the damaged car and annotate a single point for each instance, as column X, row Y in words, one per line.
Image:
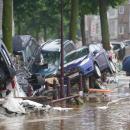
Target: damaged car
column 27, row 48
column 51, row 55
column 81, row 61
column 102, row 57
column 7, row 71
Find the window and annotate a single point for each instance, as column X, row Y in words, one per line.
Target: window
column 112, row 13
column 121, row 29
column 116, row 46
column 113, row 28
column 121, row 10
column 69, row 47
column 74, row 55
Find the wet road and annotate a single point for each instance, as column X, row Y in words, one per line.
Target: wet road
column 114, row 115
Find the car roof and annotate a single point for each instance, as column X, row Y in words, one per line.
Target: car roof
column 54, row 45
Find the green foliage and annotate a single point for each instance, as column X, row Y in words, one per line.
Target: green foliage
column 42, row 17
column 115, row 3
column 92, row 6
column 88, row 7
column 32, row 16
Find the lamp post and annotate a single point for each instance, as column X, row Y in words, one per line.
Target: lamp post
column 62, row 54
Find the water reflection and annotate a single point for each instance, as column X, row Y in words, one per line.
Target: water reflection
column 88, row 117
column 114, row 115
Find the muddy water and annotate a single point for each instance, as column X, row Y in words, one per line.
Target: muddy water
column 88, row 117
column 114, row 115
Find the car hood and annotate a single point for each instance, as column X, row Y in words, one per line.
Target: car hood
column 51, row 70
column 73, row 64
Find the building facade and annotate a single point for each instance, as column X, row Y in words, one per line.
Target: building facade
column 119, row 24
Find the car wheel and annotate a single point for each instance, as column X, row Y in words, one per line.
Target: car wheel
column 97, row 71
column 112, row 67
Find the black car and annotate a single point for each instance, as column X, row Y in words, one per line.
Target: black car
column 32, row 54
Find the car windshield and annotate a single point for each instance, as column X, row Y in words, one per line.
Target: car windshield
column 76, row 54
column 115, row 46
column 51, row 57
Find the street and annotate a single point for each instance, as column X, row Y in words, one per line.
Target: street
column 112, row 115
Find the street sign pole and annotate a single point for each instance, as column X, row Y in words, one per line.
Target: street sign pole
column 62, row 54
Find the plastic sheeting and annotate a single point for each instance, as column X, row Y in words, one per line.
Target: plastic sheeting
column 13, row 105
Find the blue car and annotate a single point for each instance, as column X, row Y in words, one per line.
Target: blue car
column 81, row 61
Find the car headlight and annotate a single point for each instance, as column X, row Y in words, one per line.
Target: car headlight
column 84, row 61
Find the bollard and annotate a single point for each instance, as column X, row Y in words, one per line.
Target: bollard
column 85, row 84
column 68, row 88
column 54, row 90
column 81, row 83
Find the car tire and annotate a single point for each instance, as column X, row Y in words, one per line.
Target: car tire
column 97, row 71
column 112, row 67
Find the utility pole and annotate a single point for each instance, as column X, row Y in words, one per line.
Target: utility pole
column 62, row 54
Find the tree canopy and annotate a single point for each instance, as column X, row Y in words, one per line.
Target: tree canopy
column 42, row 17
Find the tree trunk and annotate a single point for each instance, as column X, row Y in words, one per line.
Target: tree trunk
column 82, row 26
column 7, row 24
column 73, row 20
column 104, row 24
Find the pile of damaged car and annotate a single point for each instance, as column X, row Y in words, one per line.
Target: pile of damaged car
column 34, row 70
column 40, row 64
